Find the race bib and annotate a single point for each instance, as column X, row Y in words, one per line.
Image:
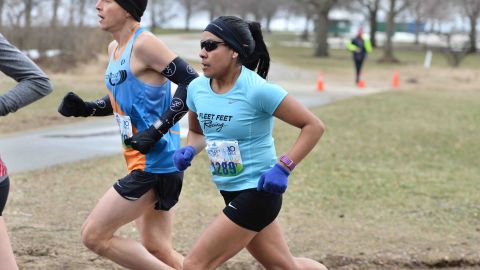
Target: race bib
column 225, row 158
column 125, row 125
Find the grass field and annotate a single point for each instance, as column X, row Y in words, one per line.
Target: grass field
column 338, row 59
column 87, row 79
column 392, row 185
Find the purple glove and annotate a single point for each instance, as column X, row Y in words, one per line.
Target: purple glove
column 182, row 157
column 274, row 180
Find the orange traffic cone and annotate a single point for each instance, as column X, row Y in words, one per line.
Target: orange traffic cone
column 395, row 80
column 361, row 84
column 320, row 86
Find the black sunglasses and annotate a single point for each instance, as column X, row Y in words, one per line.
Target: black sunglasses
column 210, row 45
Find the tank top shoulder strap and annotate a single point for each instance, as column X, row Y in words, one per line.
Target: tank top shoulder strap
column 132, row 40
column 128, row 48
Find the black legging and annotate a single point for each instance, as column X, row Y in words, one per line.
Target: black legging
column 358, row 67
column 4, row 187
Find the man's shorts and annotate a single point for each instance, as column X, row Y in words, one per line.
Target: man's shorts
column 252, row 209
column 4, row 187
column 167, row 187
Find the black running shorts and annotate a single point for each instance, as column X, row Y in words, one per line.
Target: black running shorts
column 167, row 187
column 4, row 187
column 252, row 209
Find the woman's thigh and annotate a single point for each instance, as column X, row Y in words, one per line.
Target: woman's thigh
column 270, row 248
column 220, row 241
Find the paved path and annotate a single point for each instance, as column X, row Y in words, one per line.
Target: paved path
column 97, row 137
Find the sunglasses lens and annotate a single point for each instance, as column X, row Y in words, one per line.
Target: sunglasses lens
column 209, row 45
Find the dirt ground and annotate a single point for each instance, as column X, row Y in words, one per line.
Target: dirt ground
column 46, row 209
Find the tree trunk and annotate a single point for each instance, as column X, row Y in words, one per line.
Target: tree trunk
column 305, row 33
column 321, row 35
column 28, row 15
column 54, row 20
column 473, row 34
column 417, row 31
column 27, row 24
column 372, row 13
column 211, row 12
column 153, row 16
column 188, row 14
column 2, row 2
column 71, row 13
column 373, row 27
column 268, row 24
column 81, row 12
column 390, row 31
column 287, row 22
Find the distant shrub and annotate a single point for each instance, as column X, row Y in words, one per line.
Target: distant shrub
column 73, row 44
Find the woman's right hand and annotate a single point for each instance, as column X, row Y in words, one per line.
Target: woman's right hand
column 182, row 157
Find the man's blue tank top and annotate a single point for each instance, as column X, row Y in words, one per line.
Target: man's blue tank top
column 143, row 104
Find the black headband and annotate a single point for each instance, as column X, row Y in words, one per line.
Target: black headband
column 134, row 7
column 222, row 30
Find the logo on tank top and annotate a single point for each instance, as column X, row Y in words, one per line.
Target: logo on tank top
column 117, row 78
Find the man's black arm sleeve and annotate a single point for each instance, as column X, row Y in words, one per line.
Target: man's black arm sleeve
column 100, row 107
column 181, row 73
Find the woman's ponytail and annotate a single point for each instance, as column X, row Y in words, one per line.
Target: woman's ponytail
column 260, row 58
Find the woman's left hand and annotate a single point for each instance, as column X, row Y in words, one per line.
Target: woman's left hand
column 274, row 180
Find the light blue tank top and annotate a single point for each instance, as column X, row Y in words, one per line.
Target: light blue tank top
column 143, row 104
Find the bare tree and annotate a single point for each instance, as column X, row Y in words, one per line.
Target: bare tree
column 15, row 15
column 253, row 7
column 472, row 10
column 269, row 9
column 54, row 20
column 421, row 11
column 322, row 9
column 304, row 9
column 190, row 6
column 372, row 7
column 153, row 15
column 71, row 13
column 28, row 15
column 217, row 7
column 81, row 11
column 309, row 14
column 393, row 11
column 263, row 10
column 2, row 3
column 242, row 7
column 160, row 13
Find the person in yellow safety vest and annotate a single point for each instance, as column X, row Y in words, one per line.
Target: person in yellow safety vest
column 359, row 46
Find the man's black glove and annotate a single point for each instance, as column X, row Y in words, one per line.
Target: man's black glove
column 145, row 140
column 73, row 105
